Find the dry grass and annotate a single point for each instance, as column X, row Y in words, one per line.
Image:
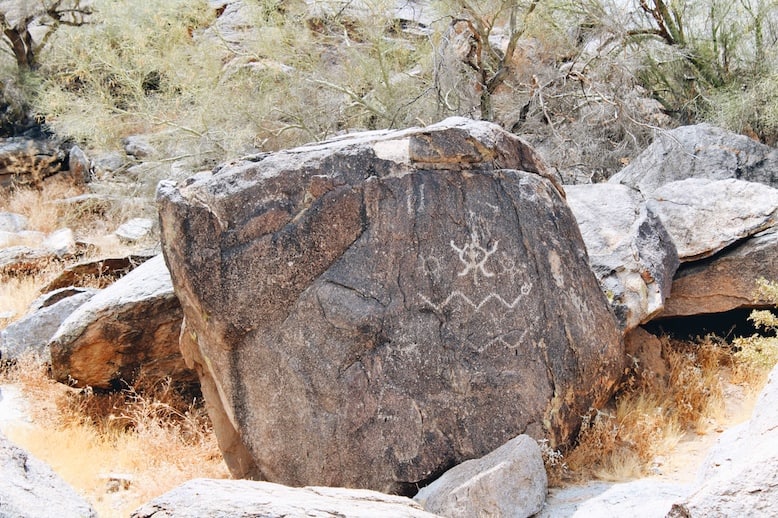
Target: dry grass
column 157, row 439
column 647, row 419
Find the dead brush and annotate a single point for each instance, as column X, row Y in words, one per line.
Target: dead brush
column 647, row 419
column 152, row 434
column 156, row 411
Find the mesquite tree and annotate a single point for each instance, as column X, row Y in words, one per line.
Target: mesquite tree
column 28, row 25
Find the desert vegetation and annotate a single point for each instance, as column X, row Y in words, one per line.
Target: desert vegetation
column 589, row 83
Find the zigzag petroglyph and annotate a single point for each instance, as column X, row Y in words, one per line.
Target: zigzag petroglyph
column 477, row 306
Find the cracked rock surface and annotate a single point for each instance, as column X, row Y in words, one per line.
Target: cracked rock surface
column 372, row 310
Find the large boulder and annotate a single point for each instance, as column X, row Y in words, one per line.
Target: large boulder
column 127, row 329
column 727, row 281
column 740, row 475
column 29, row 488
column 33, row 333
column 700, row 151
column 248, row 499
column 629, row 248
column 510, row 481
column 372, row 310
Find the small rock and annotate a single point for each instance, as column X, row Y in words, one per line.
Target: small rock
column 134, row 230
column 138, row 146
column 510, row 481
column 61, row 242
column 109, row 162
column 12, row 222
column 79, row 165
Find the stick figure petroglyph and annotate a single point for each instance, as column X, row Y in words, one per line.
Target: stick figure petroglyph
column 474, row 257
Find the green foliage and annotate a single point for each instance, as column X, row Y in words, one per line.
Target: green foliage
column 709, row 60
column 756, row 355
column 210, row 89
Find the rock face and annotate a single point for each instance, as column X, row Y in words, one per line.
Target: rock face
column 370, row 311
column 248, row 499
column 28, row 487
column 715, row 192
column 704, row 216
column 133, row 324
column 700, row 151
column 33, row 332
column 630, row 252
column 740, row 475
column 726, row 281
column 510, row 481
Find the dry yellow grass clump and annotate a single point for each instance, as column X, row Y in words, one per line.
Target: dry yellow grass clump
column 118, row 450
column 648, row 418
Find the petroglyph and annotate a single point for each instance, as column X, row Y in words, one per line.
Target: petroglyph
column 508, row 266
column 477, row 306
column 474, row 256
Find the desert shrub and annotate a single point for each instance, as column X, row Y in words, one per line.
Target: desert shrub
column 756, row 355
column 647, row 419
column 156, row 437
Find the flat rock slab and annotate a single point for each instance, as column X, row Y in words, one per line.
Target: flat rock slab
column 644, row 498
column 630, row 251
column 727, row 281
column 249, row 499
column 704, row 216
column 370, row 311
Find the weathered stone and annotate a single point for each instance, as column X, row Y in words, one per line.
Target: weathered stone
column 630, row 251
column 375, row 309
column 249, row 499
column 109, row 162
column 79, row 166
column 30, row 488
column 700, row 151
column 510, row 481
column 740, row 475
column 138, row 146
column 17, row 260
column 704, row 216
column 644, row 351
column 34, row 332
column 643, row 498
column 12, row 222
column 100, row 272
column 128, row 328
column 61, row 242
column 134, row 230
column 26, row 161
column 726, row 281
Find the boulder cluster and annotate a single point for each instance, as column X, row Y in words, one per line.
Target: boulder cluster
column 416, row 309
